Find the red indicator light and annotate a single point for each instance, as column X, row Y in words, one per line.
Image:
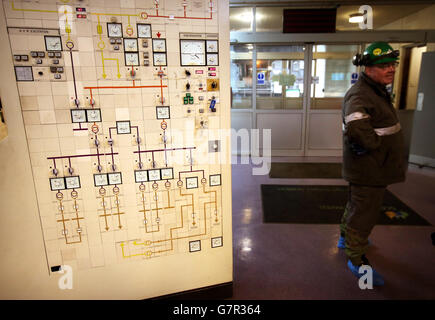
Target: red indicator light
column 81, row 9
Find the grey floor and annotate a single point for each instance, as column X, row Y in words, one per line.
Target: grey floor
column 301, row 261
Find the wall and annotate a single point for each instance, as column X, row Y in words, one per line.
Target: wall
column 123, row 239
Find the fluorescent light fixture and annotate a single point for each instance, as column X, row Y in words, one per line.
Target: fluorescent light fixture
column 356, row 18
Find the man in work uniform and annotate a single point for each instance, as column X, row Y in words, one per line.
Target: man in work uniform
column 373, row 154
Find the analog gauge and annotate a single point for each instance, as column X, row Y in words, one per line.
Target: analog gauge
column 144, row 30
column 212, row 59
column 141, row 175
column 100, row 179
column 131, row 58
column 215, row 180
column 192, row 59
column 167, row 174
column 93, row 115
column 53, row 43
column 78, row 115
column 57, row 184
column 123, row 127
column 130, row 45
column 154, row 175
column 159, row 45
column 114, row 30
column 159, row 59
column 191, row 183
column 212, row 46
column 163, row 112
column 72, row 182
column 192, row 52
column 115, row 178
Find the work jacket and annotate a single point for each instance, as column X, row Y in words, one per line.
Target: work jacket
column 373, row 145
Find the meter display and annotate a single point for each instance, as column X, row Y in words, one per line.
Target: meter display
column 53, row 43
column 192, row 52
column 114, row 30
column 143, row 30
column 141, row 175
column 131, row 58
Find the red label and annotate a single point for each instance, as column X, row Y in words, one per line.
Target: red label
column 212, row 74
column 212, row 69
column 199, row 71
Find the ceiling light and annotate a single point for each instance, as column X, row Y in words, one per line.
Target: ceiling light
column 356, row 18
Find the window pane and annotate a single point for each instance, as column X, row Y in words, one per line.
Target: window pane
column 332, row 75
column 268, row 19
column 241, row 19
column 280, row 77
column 241, row 76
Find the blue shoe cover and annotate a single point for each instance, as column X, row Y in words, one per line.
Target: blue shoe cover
column 341, row 243
column 378, row 280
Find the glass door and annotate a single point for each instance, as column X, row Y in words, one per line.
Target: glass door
column 332, row 74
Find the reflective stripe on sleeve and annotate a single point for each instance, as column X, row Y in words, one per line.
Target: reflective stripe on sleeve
column 355, row 116
column 388, row 130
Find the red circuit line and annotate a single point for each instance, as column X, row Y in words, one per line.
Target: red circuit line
column 185, row 17
column 126, row 87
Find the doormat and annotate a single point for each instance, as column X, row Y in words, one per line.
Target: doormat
column 305, row 170
column 325, row 205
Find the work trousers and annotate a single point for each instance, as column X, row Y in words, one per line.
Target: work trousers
column 360, row 216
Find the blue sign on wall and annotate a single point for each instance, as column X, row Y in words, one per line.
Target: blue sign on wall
column 260, row 78
column 354, row 78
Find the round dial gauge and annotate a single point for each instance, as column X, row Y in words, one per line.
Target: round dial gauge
column 212, row 46
column 94, row 115
column 159, row 45
column 159, row 59
column 144, row 30
column 141, row 176
column 114, row 30
column 130, row 45
column 212, row 59
column 132, row 59
column 53, row 43
column 78, row 115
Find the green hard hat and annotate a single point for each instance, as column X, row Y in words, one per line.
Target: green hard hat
column 379, row 52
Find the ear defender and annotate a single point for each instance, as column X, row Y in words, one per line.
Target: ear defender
column 356, row 60
column 360, row 60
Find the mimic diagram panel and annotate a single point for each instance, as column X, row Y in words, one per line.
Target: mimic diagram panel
column 121, row 102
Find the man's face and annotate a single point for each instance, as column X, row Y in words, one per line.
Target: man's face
column 382, row 73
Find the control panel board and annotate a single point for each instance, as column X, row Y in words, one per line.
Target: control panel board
column 125, row 114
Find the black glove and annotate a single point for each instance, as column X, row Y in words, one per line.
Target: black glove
column 357, row 149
